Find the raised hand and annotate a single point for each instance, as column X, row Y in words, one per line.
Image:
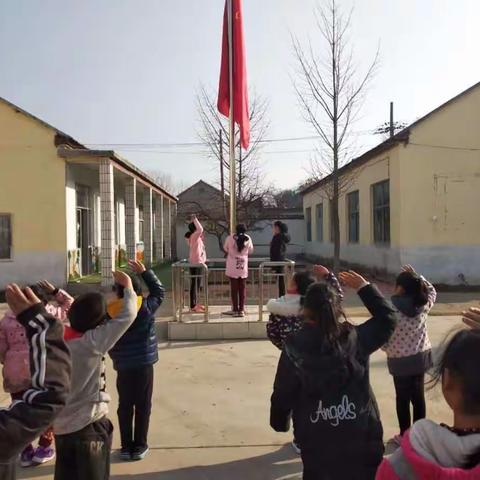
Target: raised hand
column 136, row 266
column 352, row 279
column 19, row 301
column 408, row 268
column 471, row 317
column 122, row 279
column 320, row 271
column 46, row 286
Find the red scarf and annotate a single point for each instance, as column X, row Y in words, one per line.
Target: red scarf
column 71, row 334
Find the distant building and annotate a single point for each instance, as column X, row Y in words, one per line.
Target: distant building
column 206, row 201
column 412, row 199
column 67, row 211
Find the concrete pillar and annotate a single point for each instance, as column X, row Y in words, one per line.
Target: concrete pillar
column 147, row 226
column 107, row 218
column 174, row 230
column 158, row 232
column 131, row 217
column 167, row 235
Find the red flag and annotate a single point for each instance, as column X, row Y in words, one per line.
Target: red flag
column 240, row 89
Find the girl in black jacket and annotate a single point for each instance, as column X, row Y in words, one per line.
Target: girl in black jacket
column 278, row 251
column 323, row 381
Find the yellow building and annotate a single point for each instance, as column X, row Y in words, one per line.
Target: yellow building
column 67, row 211
column 412, row 199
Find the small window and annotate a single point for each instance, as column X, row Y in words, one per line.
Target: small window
column 5, row 236
column 319, row 220
column 332, row 222
column 353, row 217
column 83, row 194
column 381, row 212
column 140, row 224
column 308, row 222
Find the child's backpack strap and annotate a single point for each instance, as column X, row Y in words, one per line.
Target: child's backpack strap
column 400, row 466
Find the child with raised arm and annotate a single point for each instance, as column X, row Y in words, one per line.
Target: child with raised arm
column 285, row 312
column 133, row 358
column 83, row 432
column 197, row 256
column 409, row 350
column 14, row 355
column 49, row 361
column 323, row 380
column 238, row 247
column 436, row 451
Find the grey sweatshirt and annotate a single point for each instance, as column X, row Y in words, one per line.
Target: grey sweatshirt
column 88, row 399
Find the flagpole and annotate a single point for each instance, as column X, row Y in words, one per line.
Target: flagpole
column 233, row 193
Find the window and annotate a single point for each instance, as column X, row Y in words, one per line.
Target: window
column 308, row 221
column 353, row 217
column 5, row 236
column 83, row 194
column 319, row 219
column 140, row 224
column 332, row 222
column 381, row 212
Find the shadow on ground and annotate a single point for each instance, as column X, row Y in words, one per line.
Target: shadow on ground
column 282, row 464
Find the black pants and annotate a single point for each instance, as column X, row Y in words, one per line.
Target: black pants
column 281, row 281
column 135, row 388
column 85, row 455
column 194, row 286
column 238, row 287
column 410, row 390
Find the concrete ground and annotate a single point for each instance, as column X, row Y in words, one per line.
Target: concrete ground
column 211, row 412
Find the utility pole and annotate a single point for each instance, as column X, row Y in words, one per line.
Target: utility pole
column 392, row 129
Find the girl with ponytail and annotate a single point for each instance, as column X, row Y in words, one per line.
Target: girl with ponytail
column 323, row 383
column 431, row 450
column 409, row 351
column 238, row 247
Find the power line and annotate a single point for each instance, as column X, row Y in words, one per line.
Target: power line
column 201, row 144
column 159, row 152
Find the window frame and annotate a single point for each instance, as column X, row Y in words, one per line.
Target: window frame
column 9, row 238
column 353, row 215
column 317, row 223
column 385, row 238
column 308, row 224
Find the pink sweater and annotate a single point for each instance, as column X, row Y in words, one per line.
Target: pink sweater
column 14, row 347
column 425, row 468
column 197, row 245
column 237, row 262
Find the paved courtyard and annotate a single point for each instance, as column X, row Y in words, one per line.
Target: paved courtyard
column 211, row 410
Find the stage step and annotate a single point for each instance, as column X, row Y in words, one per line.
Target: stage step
column 217, row 330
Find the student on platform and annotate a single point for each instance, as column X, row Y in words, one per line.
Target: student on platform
column 238, row 247
column 198, row 256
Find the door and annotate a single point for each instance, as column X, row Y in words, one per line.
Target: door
column 83, row 240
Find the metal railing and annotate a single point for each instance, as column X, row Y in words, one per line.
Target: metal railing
column 262, row 282
column 276, row 270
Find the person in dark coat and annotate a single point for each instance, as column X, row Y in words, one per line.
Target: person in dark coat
column 278, row 251
column 133, row 358
column 323, row 381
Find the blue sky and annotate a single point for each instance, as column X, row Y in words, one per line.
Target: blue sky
column 126, row 71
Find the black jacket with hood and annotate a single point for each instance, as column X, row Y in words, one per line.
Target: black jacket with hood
column 278, row 247
column 24, row 420
column 327, row 389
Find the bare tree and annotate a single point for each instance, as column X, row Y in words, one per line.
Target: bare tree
column 252, row 192
column 166, row 181
column 331, row 93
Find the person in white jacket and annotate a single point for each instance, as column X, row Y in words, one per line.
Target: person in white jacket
column 285, row 312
